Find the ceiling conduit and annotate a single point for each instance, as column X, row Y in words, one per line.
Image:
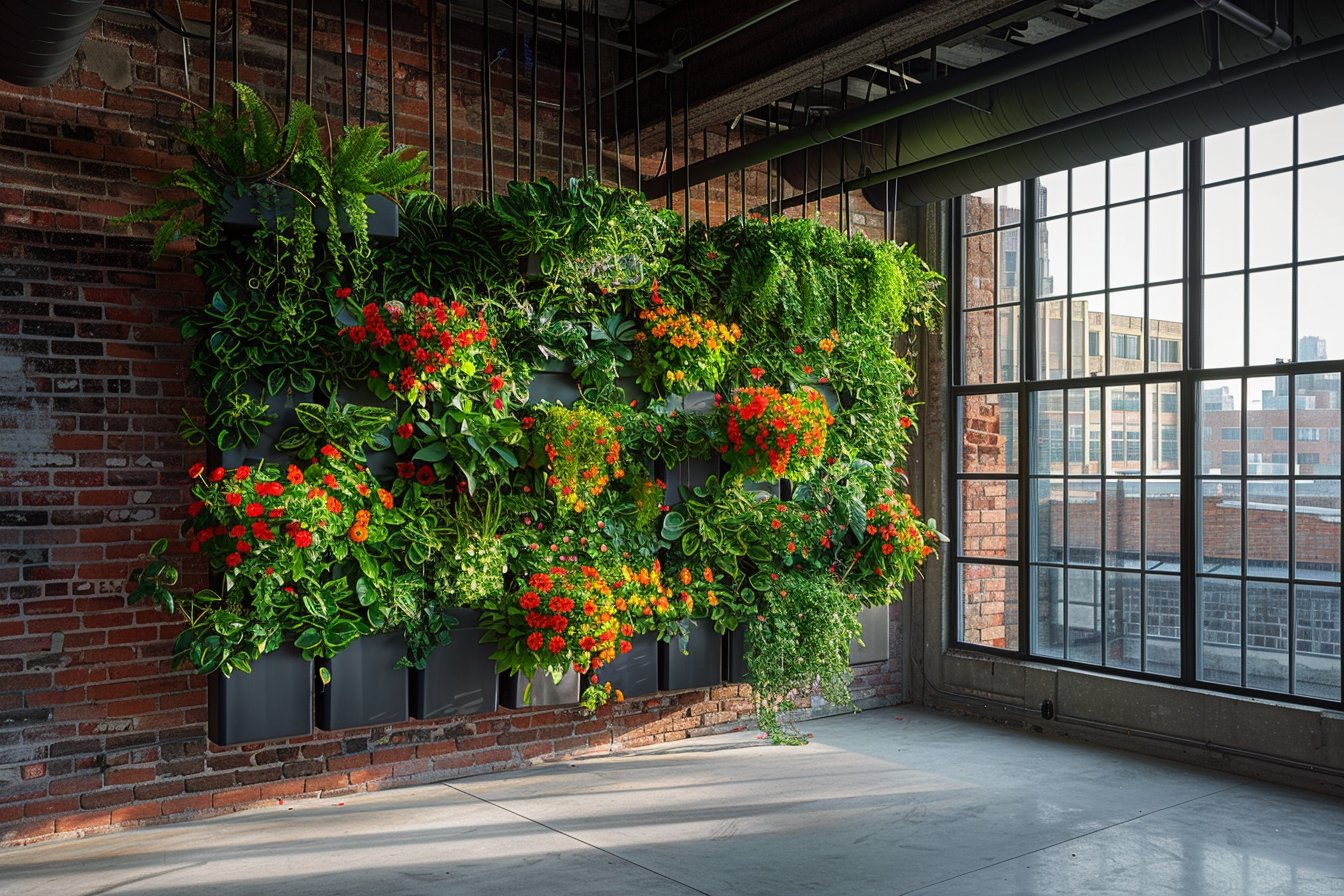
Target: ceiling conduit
column 1139, row 94
column 39, row 39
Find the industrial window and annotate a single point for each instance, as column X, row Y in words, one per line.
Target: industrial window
column 1148, row 477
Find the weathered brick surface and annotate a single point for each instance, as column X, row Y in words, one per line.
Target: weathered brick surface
column 96, row 728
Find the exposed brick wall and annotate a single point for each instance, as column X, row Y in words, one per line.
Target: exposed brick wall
column 95, row 728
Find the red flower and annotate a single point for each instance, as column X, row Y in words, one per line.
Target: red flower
column 587, row 643
column 405, row 470
column 233, row 560
column 254, row 509
column 499, row 404
column 530, row 600
column 294, row 475
column 905, row 422
column 262, row 532
column 757, row 372
column 195, row 508
column 405, row 430
column 797, row 349
column 529, row 422
column 343, row 292
column 303, row 538
column 535, row 640
column 216, row 474
column 233, row 499
column 273, row 489
column 425, row 476
column 331, row 451
column 556, row 644
column 196, row 470
column 496, row 383
column 242, row 472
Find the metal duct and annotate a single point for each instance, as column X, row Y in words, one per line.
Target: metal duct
column 39, row 39
column 1133, row 68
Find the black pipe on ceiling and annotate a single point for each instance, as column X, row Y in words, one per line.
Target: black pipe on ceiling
column 38, row 40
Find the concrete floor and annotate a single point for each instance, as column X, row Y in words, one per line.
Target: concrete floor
column 888, row 802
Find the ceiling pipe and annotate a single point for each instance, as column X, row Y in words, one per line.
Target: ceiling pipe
column 1268, row 32
column 1052, row 52
column 39, row 40
column 1300, row 53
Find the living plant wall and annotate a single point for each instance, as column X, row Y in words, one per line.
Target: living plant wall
column 382, row 456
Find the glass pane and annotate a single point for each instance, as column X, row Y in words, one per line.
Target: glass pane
column 1083, row 609
column 1052, row 257
column 1088, row 327
column 1271, row 218
column 1165, row 322
column 1010, row 265
column 1320, row 216
column 1088, row 253
column 1162, row 630
column 1320, row 324
column 1166, row 218
column 1162, row 452
column 1271, row 145
column 1162, row 525
column 1085, row 448
column 989, row 522
column 1224, row 228
column 1009, row 324
column 1082, row 525
column 989, row 433
column 1316, row 511
column 978, row 363
column 1089, row 186
column 1220, row 527
column 1166, row 169
column 978, row 286
column 1220, row 427
column 1047, row 432
column 1267, row 528
column 1126, row 322
column 1218, row 653
column 978, row 212
column 1124, row 429
column 1048, row 524
column 1224, row 321
column 1124, row 523
column 1127, row 177
column 1124, row 619
column 1224, row 156
column 1271, row 325
column 1267, row 636
column 1318, row 134
column 1316, row 631
column 989, row 605
column 1127, row 241
column 1048, row 628
column 1052, row 194
column 1268, row 440
column 1010, row 204
column 1051, row 340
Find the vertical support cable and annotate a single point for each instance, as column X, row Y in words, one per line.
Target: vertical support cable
column 345, row 61
column 686, row 137
column 391, row 82
column 597, row 82
column 312, row 27
column 448, row 94
column 517, row 144
column 237, row 76
column 704, row 154
column 667, row 137
column 769, row 170
column 583, row 81
column 844, row 196
column 639, row 125
column 534, row 59
column 214, row 49
column 742, row 173
column 727, row 134
column 289, row 59
column 615, row 119
column 564, row 88
column 364, row 81
column 487, row 128
column 430, row 53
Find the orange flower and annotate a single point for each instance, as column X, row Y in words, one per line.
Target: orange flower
column 359, row 533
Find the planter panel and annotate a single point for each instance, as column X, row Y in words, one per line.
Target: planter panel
column 635, row 673
column 545, row 692
column 282, row 408
column 876, row 635
column 700, row 667
column 367, row 687
column 735, row 657
column 688, row 474
column 460, row 678
column 553, row 383
column 272, row 702
column 246, row 212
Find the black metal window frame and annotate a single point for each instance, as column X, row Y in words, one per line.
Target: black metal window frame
column 1190, row 380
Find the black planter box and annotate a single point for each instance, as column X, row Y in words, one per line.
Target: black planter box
column 367, row 687
column 554, row 383
column 634, row 673
column 700, row 667
column 460, row 679
column 282, row 409
column 247, row 211
column 735, row 657
column 272, row 702
column 688, row 474
column 545, row 692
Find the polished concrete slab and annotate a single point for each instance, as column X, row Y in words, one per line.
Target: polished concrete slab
column 888, row 802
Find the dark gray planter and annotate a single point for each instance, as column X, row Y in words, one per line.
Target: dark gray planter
column 545, row 692
column 282, row 409
column 367, row 687
column 876, row 635
column 272, row 702
column 691, row 403
column 701, row 666
column 634, row 673
column 246, row 212
column 553, row 383
column 460, row 679
column 688, row 474
column 735, row 657
column 382, row 464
